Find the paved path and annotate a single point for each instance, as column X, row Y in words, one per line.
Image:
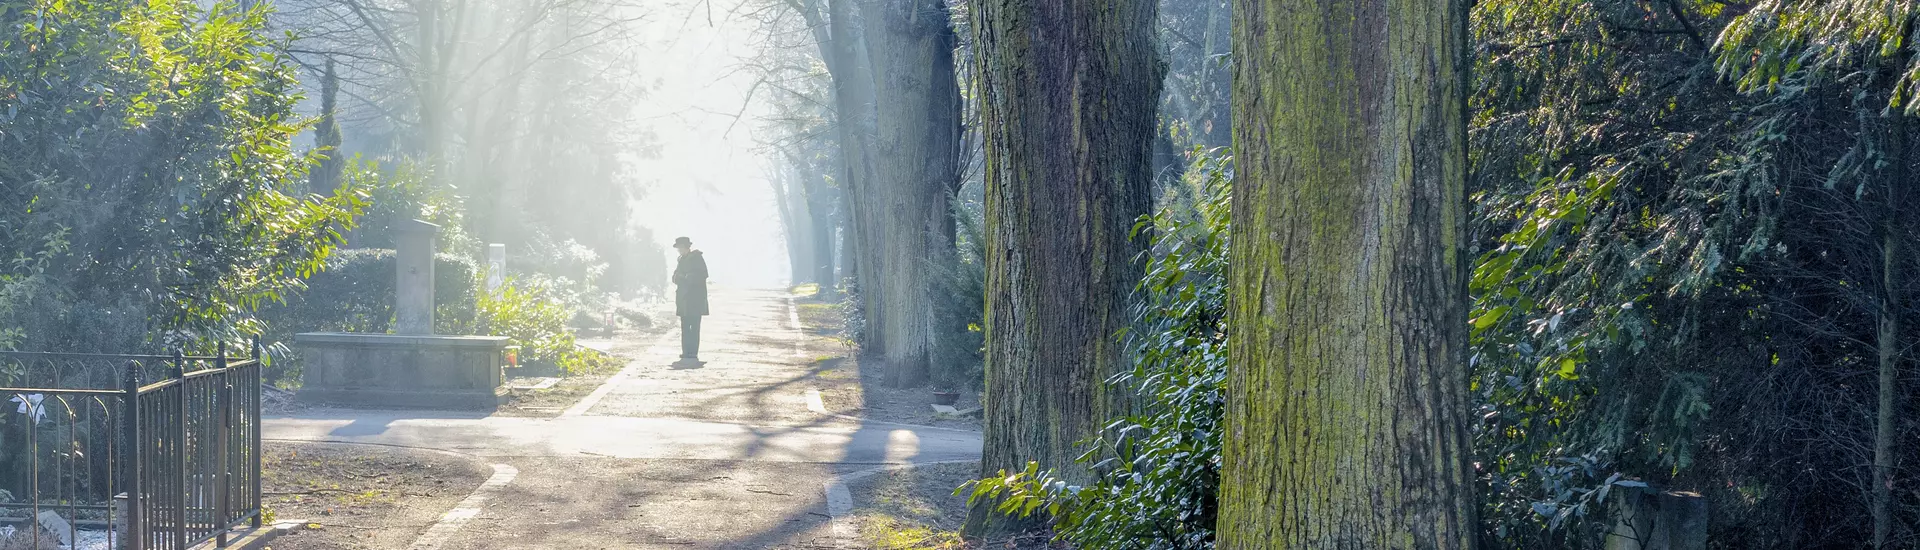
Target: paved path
column 726, row 455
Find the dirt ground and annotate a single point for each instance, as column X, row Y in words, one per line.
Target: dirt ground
column 915, row 509
column 847, row 388
column 583, row 487
column 550, row 402
column 361, row 497
column 624, row 345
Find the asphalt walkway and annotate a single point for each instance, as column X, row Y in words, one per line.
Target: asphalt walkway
column 665, row 455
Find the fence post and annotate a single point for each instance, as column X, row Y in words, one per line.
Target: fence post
column 135, row 537
column 253, row 432
column 223, row 402
column 180, row 449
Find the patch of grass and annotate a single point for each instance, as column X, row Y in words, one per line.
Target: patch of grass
column 890, row 533
column 912, row 508
column 808, row 290
column 369, row 496
column 585, row 361
column 824, row 321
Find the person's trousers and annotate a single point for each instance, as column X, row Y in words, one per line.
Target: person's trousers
column 689, row 336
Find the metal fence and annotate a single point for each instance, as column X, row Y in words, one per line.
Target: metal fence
column 128, row 452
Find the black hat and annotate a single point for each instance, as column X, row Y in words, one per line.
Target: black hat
column 683, row 242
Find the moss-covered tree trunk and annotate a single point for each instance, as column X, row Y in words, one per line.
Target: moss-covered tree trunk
column 1068, row 90
column 1346, row 414
column 915, row 156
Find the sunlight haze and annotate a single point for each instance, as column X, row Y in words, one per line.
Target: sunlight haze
column 709, row 181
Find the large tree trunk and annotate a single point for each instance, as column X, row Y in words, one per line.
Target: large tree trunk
column 1068, row 91
column 793, row 220
column 1346, row 410
column 819, row 204
column 915, row 155
column 838, row 35
column 1893, row 259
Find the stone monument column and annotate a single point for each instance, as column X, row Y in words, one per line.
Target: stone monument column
column 413, row 277
column 413, row 368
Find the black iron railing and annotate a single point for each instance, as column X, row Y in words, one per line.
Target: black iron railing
column 133, row 452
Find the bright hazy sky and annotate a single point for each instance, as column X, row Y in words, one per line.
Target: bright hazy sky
column 709, row 182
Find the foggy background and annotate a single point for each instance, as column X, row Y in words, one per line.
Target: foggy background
column 709, row 181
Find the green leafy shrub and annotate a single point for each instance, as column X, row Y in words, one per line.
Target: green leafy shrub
column 571, row 272
column 354, row 293
column 527, row 312
column 402, row 190
column 634, row 317
column 149, row 193
column 1157, row 470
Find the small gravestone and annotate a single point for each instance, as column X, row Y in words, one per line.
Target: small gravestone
column 51, row 522
column 496, row 266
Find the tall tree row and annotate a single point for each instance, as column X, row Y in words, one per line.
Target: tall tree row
column 897, row 119
column 1691, row 269
column 853, row 104
column 1346, row 411
column 1067, row 92
column 802, row 142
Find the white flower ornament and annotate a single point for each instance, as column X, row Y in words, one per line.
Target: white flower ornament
column 30, row 406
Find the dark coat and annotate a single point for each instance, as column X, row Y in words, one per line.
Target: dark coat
column 690, row 282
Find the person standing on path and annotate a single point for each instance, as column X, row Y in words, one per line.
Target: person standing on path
column 690, row 296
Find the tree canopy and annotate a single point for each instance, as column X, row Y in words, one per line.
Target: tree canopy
column 151, row 192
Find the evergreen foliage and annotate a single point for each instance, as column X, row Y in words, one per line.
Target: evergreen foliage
column 1680, row 212
column 1157, row 470
column 1680, row 209
column 150, row 194
column 959, row 302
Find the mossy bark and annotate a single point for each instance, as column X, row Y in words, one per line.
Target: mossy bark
column 915, row 155
column 1346, row 411
column 1068, row 91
